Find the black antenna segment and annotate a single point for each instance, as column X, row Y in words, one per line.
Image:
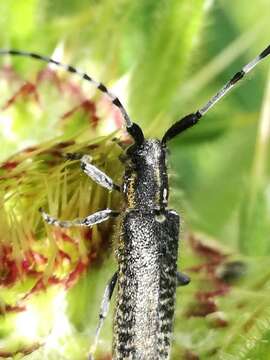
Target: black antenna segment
column 192, row 119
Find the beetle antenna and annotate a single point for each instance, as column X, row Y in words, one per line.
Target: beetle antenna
column 192, row 119
column 114, row 99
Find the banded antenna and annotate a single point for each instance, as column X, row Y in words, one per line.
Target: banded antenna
column 192, row 119
column 114, row 99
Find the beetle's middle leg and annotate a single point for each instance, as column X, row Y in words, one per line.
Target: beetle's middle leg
column 89, row 220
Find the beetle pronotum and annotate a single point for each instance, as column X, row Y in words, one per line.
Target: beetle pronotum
column 147, row 250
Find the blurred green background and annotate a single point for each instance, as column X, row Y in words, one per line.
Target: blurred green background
column 165, row 59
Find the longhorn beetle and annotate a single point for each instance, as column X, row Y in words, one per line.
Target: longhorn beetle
column 147, row 247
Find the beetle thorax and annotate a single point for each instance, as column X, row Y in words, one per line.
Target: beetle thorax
column 146, row 180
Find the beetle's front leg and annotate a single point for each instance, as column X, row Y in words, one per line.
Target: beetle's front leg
column 97, row 175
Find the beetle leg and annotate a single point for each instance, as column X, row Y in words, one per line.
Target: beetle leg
column 104, row 308
column 90, row 220
column 73, row 156
column 182, row 279
column 97, row 175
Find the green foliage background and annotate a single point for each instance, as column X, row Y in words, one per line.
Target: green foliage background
column 173, row 55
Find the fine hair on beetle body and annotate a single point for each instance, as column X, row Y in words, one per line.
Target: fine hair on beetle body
column 148, row 232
